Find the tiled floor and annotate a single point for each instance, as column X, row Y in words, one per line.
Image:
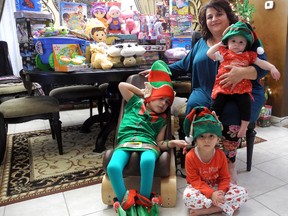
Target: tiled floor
column 267, row 183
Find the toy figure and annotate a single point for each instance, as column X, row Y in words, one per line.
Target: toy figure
column 115, row 20
column 99, row 34
column 98, row 11
column 130, row 25
column 96, row 30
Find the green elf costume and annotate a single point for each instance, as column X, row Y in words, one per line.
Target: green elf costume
column 138, row 131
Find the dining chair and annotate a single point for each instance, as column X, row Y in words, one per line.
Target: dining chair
column 11, row 86
column 78, row 93
column 23, row 109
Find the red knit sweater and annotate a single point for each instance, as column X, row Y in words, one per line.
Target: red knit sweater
column 203, row 176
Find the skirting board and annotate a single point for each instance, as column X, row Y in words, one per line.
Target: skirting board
column 277, row 121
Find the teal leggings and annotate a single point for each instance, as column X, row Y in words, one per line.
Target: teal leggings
column 115, row 172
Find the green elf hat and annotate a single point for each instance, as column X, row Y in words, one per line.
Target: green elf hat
column 159, row 83
column 239, row 28
column 199, row 121
column 246, row 31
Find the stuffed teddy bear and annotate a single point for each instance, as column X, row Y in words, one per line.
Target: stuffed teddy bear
column 130, row 26
column 176, row 53
column 99, row 58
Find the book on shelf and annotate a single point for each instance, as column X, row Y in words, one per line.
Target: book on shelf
column 181, row 25
column 73, row 15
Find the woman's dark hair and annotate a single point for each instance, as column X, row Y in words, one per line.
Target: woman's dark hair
column 217, row 5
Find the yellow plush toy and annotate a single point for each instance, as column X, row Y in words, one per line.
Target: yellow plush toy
column 99, row 58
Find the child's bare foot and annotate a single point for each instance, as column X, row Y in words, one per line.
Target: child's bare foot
column 211, row 210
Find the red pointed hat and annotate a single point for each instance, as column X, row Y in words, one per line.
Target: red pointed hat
column 159, row 83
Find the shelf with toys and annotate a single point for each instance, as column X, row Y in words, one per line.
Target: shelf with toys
column 105, row 36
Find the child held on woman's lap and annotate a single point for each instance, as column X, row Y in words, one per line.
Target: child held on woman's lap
column 238, row 39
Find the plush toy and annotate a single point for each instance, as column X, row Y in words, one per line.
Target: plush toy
column 114, row 55
column 98, row 11
column 139, row 52
column 99, row 57
column 178, row 108
column 176, row 53
column 114, row 18
column 130, row 26
column 99, row 34
column 128, row 53
column 95, row 30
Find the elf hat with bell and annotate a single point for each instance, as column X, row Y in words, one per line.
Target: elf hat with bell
column 199, row 121
column 159, row 83
column 246, row 31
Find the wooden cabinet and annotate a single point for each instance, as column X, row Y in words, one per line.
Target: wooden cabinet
column 271, row 27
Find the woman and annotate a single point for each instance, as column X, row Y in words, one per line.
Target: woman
column 215, row 16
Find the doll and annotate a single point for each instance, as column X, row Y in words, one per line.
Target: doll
column 98, row 11
column 115, row 20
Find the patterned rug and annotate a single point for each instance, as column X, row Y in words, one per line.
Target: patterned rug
column 256, row 141
column 34, row 168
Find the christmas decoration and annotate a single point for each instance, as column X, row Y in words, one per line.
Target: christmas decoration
column 243, row 9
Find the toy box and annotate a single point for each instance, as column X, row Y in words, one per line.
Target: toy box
column 182, row 42
column 68, row 57
column 28, row 22
column 28, row 5
column 178, row 7
column 264, row 119
column 73, row 15
column 43, row 45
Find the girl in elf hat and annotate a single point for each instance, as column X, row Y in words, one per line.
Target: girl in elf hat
column 142, row 129
column 209, row 189
column 238, row 38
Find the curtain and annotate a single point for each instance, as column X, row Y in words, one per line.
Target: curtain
column 8, row 34
column 146, row 7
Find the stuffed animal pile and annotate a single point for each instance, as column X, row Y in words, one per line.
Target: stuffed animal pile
column 126, row 55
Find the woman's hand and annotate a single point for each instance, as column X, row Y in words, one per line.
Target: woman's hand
column 145, row 72
column 232, row 78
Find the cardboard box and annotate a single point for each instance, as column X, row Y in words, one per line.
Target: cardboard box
column 182, row 42
column 65, row 56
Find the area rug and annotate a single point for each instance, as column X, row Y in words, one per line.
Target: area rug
column 256, row 141
column 34, row 168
